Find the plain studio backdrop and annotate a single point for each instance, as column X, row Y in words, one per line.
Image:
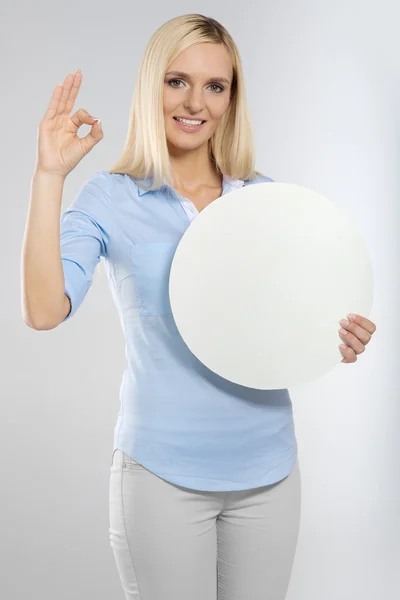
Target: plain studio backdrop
column 323, row 86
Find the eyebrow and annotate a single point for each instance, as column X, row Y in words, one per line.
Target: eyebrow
column 186, row 76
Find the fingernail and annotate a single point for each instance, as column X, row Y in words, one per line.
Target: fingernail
column 352, row 316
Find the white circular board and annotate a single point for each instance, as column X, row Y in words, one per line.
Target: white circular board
column 260, row 280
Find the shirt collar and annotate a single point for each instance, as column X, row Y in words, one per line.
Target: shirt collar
column 226, row 180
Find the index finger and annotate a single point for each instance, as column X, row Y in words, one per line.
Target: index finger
column 364, row 322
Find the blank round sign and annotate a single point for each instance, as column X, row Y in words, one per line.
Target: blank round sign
column 260, row 280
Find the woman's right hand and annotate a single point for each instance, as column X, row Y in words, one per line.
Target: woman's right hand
column 59, row 147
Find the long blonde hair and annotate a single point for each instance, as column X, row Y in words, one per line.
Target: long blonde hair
column 145, row 153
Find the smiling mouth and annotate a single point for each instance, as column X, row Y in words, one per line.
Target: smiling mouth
column 179, row 121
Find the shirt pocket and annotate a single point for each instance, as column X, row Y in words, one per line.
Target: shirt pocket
column 151, row 265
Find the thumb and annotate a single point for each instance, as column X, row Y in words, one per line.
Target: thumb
column 95, row 134
column 96, row 127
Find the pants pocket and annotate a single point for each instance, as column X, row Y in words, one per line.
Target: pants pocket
column 112, row 456
column 130, row 463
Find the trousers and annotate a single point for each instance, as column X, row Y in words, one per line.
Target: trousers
column 174, row 543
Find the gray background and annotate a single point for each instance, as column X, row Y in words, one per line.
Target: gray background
column 322, row 81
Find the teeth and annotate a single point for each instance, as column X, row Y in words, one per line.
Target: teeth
column 187, row 122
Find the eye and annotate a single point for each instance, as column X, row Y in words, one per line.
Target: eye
column 171, row 81
column 218, row 86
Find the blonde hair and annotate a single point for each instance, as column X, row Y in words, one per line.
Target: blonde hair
column 145, row 153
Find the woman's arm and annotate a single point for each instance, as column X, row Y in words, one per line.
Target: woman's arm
column 44, row 303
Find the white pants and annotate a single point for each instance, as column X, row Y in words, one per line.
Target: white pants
column 174, row 543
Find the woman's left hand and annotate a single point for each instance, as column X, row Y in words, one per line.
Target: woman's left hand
column 358, row 334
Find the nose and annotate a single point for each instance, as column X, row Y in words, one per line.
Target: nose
column 194, row 100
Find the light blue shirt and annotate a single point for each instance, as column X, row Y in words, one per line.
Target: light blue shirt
column 177, row 418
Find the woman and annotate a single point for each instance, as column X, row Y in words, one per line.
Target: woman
column 205, row 482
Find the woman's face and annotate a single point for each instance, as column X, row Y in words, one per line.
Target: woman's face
column 197, row 92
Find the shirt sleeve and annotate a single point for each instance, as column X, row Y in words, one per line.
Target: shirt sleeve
column 85, row 231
